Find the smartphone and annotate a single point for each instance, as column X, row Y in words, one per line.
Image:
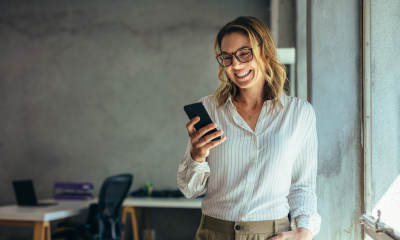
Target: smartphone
column 198, row 109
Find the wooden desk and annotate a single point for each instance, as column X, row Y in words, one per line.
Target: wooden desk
column 40, row 217
column 130, row 204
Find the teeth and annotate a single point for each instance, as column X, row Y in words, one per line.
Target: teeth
column 242, row 74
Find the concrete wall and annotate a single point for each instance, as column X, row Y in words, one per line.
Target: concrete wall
column 89, row 89
column 385, row 85
column 301, row 49
column 334, row 69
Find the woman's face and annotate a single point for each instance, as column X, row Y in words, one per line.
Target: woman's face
column 244, row 75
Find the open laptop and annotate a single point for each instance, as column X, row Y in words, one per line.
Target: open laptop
column 25, row 194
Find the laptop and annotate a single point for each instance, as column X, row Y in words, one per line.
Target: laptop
column 25, row 194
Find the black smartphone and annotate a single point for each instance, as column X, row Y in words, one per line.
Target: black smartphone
column 198, row 109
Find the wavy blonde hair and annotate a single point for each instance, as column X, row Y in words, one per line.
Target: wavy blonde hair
column 275, row 72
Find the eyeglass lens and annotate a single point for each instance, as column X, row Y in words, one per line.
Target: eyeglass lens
column 244, row 55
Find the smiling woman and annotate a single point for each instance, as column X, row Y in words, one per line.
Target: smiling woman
column 268, row 159
column 252, row 36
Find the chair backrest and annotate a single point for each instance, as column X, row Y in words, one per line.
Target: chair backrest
column 112, row 194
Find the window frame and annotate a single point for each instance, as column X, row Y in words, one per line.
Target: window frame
column 373, row 229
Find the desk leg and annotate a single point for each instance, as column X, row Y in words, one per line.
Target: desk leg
column 125, row 212
column 41, row 231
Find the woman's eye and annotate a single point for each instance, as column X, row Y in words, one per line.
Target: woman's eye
column 244, row 54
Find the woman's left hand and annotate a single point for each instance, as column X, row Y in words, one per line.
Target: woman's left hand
column 297, row 234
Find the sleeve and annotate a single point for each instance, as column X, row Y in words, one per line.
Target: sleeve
column 191, row 175
column 302, row 198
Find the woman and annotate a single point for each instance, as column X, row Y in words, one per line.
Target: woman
column 268, row 159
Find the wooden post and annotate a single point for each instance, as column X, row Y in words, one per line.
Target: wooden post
column 135, row 231
column 41, row 231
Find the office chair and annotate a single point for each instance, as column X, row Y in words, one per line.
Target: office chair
column 104, row 218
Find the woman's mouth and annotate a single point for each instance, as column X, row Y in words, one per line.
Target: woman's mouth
column 243, row 74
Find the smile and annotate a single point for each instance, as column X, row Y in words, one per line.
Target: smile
column 244, row 74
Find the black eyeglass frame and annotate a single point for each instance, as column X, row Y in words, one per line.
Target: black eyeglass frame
column 234, row 54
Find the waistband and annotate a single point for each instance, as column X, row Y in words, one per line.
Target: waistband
column 268, row 226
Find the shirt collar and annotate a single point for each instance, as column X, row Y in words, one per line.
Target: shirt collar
column 229, row 99
column 283, row 100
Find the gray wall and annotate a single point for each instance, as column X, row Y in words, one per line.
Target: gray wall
column 301, row 49
column 89, row 89
column 334, row 68
column 385, row 76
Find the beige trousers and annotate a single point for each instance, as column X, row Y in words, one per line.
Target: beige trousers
column 216, row 229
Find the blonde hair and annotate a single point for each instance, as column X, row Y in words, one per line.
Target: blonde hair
column 275, row 72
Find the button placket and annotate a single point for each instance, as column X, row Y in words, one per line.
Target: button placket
column 250, row 178
column 253, row 157
column 246, row 200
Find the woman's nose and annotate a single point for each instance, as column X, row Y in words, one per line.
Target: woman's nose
column 235, row 62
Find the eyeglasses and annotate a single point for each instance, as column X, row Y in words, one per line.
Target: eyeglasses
column 242, row 55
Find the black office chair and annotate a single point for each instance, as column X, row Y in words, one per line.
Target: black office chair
column 104, row 218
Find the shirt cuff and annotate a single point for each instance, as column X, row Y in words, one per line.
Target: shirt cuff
column 196, row 166
column 311, row 223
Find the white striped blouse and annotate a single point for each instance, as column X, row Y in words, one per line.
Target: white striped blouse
column 256, row 176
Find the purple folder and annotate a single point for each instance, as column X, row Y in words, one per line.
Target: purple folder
column 73, row 190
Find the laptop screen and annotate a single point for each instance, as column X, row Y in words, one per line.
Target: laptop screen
column 24, row 192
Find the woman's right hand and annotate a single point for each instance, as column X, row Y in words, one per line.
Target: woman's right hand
column 200, row 150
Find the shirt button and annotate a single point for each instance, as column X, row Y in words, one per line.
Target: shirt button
column 237, row 227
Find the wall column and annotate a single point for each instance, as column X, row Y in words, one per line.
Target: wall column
column 335, row 91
